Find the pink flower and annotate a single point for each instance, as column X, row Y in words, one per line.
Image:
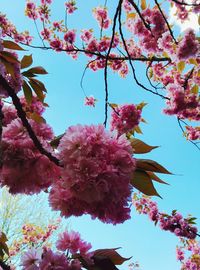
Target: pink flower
column 86, row 35
column 193, row 133
column 46, row 34
column 15, row 81
column 72, row 242
column 55, row 261
column 56, row 44
column 70, row 6
column 90, row 101
column 25, row 169
column 30, row 259
column 96, row 174
column 188, row 47
column 70, row 36
column 125, row 118
column 31, row 10
column 101, row 15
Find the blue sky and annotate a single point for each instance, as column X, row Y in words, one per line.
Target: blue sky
column 138, row 237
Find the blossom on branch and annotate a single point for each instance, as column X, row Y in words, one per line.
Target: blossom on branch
column 97, row 168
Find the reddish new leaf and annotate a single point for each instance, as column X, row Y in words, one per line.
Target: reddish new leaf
column 9, row 57
column 150, row 165
column 12, row 45
column 37, row 89
column 156, row 178
column 36, row 117
column 39, row 83
column 27, row 92
column 26, row 61
column 37, row 70
column 142, row 181
column 140, row 147
column 112, row 254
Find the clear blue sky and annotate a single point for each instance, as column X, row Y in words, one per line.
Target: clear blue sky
column 138, row 237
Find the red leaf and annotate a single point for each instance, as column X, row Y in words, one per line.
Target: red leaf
column 142, row 181
column 111, row 254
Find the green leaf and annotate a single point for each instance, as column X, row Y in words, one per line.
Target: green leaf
column 112, row 254
column 150, row 165
column 37, row 70
column 156, row 178
column 27, row 92
column 12, row 45
column 142, row 181
column 140, row 147
column 26, row 61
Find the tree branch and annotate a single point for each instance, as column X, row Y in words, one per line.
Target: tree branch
column 140, row 15
column 22, row 116
column 107, row 58
column 165, row 19
column 130, row 62
column 185, row 4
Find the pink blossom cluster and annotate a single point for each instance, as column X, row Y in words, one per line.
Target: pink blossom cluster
column 25, row 169
column 90, row 101
column 124, row 118
column 182, row 103
column 97, row 168
column 148, row 35
column 31, row 10
column 14, row 80
column 183, row 11
column 70, row 6
column 193, row 133
column 189, row 254
column 101, row 15
column 117, row 65
column 42, row 11
column 46, row 259
column 188, row 47
column 8, row 29
column 10, row 113
column 72, row 242
column 175, row 223
column 33, row 235
column 127, row 6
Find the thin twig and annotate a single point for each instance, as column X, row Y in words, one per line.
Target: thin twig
column 185, row 4
column 131, row 64
column 107, row 58
column 22, row 116
column 179, row 123
column 39, row 33
column 98, row 54
column 140, row 15
column 83, row 75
